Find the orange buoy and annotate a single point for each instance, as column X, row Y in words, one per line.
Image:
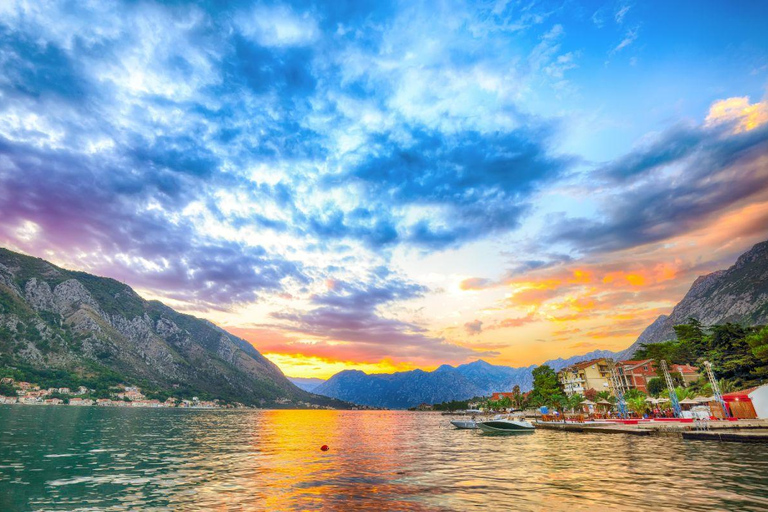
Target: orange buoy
column 324, row 447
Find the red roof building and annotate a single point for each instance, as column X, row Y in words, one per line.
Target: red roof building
column 638, row 372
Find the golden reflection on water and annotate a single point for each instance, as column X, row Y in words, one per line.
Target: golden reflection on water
column 73, row 458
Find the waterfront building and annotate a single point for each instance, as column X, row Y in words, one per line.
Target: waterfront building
column 593, row 374
column 636, row 373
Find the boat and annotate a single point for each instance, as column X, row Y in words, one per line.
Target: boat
column 501, row 424
column 464, row 424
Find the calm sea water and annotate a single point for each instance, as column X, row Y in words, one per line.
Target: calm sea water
column 69, row 458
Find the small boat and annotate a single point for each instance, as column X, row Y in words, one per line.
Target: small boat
column 464, row 424
column 500, row 424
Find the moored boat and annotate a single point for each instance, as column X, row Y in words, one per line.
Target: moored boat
column 500, row 425
column 464, row 424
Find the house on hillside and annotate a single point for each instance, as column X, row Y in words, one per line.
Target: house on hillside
column 635, row 374
column 593, row 374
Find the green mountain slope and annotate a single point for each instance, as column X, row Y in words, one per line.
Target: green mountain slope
column 60, row 324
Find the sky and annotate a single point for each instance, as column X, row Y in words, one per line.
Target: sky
column 382, row 185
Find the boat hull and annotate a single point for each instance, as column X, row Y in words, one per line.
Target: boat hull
column 505, row 427
column 464, row 424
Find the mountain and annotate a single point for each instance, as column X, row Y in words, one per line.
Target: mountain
column 306, row 383
column 407, row 389
column 80, row 327
column 399, row 390
column 738, row 294
column 560, row 363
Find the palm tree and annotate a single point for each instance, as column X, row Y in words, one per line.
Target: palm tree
column 559, row 402
column 637, row 405
column 575, row 401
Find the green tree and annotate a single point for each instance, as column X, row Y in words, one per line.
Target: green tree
column 545, row 385
column 655, row 386
column 575, row 401
column 7, row 389
column 637, row 405
column 758, row 343
column 558, row 402
column 605, row 395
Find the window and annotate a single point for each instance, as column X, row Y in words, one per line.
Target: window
column 645, row 368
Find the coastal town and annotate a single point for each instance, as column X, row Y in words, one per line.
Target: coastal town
column 26, row 393
column 628, row 391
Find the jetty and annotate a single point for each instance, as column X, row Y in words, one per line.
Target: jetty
column 751, row 431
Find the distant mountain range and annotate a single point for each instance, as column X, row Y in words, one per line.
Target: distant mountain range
column 407, row 389
column 306, row 383
column 738, row 294
column 79, row 326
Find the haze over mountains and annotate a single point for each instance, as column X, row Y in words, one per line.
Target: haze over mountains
column 738, row 294
column 92, row 327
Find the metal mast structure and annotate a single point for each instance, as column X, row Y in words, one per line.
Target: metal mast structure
column 672, row 392
column 715, row 387
column 618, row 390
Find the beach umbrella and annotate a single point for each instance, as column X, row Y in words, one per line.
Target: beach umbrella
column 689, row 401
column 651, row 400
column 587, row 402
column 604, row 402
column 704, row 399
column 663, row 400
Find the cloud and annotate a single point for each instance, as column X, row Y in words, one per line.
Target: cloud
column 621, row 12
column 474, row 327
column 279, row 26
column 671, row 186
column 629, row 37
column 739, row 113
column 350, row 314
column 472, row 184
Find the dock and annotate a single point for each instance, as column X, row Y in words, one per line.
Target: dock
column 738, row 436
column 602, row 429
column 744, row 431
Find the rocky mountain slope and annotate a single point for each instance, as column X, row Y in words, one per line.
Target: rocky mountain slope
column 88, row 327
column 738, row 294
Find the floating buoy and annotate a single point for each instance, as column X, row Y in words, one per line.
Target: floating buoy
column 324, row 447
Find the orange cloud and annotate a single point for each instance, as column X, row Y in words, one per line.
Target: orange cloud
column 739, row 111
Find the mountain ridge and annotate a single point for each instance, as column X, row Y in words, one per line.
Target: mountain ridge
column 96, row 328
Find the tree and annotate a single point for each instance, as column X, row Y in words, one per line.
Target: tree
column 504, row 403
column 7, row 389
column 591, row 394
column 559, row 402
column 605, row 395
column 545, row 385
column 758, row 343
column 518, row 400
column 655, row 386
column 575, row 401
column 637, row 405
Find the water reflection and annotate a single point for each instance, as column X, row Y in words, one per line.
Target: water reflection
column 69, row 458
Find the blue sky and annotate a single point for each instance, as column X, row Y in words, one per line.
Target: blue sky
column 388, row 185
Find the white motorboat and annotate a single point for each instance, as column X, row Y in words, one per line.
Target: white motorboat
column 505, row 425
column 464, row 424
